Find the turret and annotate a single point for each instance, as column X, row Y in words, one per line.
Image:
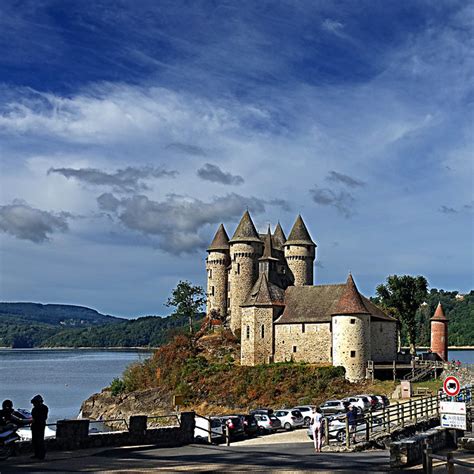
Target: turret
column 439, row 333
column 216, row 265
column 351, row 333
column 246, row 248
column 300, row 253
column 267, row 263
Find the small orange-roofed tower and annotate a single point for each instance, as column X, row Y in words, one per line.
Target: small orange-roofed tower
column 439, row 333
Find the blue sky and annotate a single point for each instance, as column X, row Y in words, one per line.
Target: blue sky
column 130, row 130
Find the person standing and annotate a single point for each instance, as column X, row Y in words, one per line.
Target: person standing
column 39, row 415
column 352, row 421
column 317, row 429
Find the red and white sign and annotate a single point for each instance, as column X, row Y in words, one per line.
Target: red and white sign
column 451, row 386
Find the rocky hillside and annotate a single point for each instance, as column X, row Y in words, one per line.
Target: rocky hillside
column 211, row 380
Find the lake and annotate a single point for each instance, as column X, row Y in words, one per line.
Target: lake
column 65, row 378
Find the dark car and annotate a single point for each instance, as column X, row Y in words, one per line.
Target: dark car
column 236, row 427
column 261, row 411
column 250, row 425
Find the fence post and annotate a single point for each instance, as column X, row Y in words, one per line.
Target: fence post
column 416, row 411
column 411, row 414
column 348, row 439
column 367, row 427
column 429, row 460
column 227, row 435
column 398, row 413
column 402, row 406
column 388, row 420
column 450, row 463
column 209, row 433
column 371, row 422
column 326, row 430
column 383, row 417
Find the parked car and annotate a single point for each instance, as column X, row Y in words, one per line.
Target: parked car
column 202, row 427
column 307, row 412
column 267, row 423
column 236, row 427
column 358, row 401
column 261, row 411
column 383, row 400
column 337, row 428
column 290, row 419
column 374, row 402
column 332, row 407
column 250, row 425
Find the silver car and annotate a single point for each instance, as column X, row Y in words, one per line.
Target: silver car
column 290, row 419
column 267, row 423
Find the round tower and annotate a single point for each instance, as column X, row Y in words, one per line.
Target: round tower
column 300, row 254
column 439, row 333
column 246, row 248
column 216, row 265
column 351, row 333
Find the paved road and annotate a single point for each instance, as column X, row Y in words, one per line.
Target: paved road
column 275, row 457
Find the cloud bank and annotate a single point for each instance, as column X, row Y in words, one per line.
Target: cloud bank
column 210, row 172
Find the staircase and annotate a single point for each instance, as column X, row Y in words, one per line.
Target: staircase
column 420, row 373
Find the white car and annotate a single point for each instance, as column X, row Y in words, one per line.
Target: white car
column 306, row 411
column 290, row 419
column 201, row 429
column 361, row 402
column 267, row 423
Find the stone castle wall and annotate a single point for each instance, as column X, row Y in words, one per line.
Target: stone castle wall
column 216, row 266
column 242, row 276
column 351, row 340
column 300, row 261
column 256, row 346
column 308, row 342
column 384, row 341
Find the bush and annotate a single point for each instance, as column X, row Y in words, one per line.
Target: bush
column 117, row 386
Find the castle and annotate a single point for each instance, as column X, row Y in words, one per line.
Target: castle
column 262, row 285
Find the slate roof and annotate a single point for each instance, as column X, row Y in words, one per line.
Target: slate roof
column 350, row 302
column 439, row 314
column 245, row 231
column 265, row 293
column 279, row 237
column 220, row 240
column 316, row 304
column 268, row 248
column 299, row 234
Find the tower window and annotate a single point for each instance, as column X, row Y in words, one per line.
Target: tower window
column 210, row 273
column 263, row 331
column 353, row 321
column 238, row 269
column 353, row 353
column 303, row 327
column 248, row 332
column 228, row 301
column 212, row 291
column 294, row 348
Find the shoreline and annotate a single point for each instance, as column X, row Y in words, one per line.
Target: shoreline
column 85, row 348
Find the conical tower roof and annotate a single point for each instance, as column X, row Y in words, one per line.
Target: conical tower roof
column 220, row 240
column 245, row 231
column 268, row 248
column 350, row 301
column 265, row 293
column 299, row 234
column 439, row 314
column 279, row 237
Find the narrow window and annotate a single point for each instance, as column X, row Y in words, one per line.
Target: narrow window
column 212, row 291
column 353, row 353
column 248, row 332
column 381, row 329
column 210, row 273
column 238, row 269
column 303, row 328
column 228, row 301
column 353, row 321
column 263, row 331
column 331, row 352
column 294, row 348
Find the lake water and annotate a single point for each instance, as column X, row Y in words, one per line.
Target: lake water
column 65, row 378
column 466, row 356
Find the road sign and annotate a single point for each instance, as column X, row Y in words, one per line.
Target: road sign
column 457, row 422
column 451, row 386
column 454, row 408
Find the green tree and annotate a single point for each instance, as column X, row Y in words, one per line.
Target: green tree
column 188, row 301
column 404, row 294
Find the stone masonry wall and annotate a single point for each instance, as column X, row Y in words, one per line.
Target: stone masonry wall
column 439, row 338
column 243, row 275
column 351, row 344
column 216, row 266
column 300, row 261
column 383, row 341
column 312, row 342
column 256, row 349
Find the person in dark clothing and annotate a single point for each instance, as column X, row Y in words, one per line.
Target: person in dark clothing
column 39, row 415
column 352, row 421
column 8, row 417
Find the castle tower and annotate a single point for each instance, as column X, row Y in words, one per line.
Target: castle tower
column 299, row 253
column 216, row 265
column 439, row 333
column 267, row 263
column 351, row 333
column 245, row 250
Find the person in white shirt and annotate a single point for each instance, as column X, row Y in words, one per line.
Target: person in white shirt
column 317, row 429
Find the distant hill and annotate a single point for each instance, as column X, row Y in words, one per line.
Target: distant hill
column 55, row 314
column 27, row 325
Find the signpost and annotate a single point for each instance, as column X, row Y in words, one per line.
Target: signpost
column 453, row 415
column 451, row 386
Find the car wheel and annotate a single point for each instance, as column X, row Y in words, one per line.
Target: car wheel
column 306, row 421
column 287, row 426
column 341, row 436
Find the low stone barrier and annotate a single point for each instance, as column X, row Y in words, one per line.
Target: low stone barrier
column 74, row 434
